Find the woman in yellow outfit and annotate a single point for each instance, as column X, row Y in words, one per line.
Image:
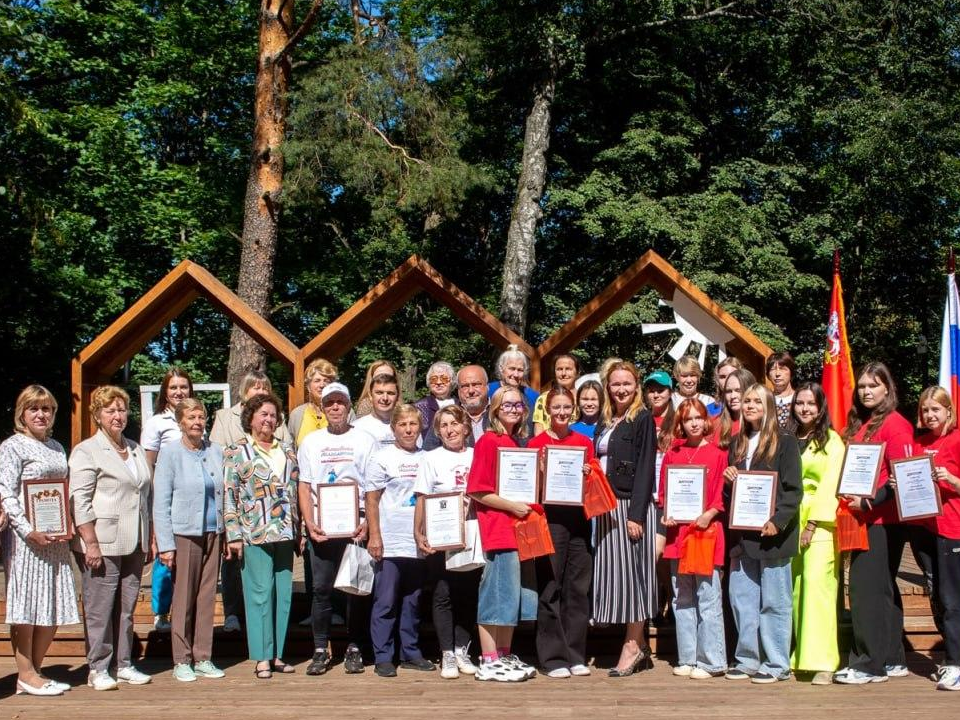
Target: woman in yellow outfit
column 816, row 567
column 309, row 417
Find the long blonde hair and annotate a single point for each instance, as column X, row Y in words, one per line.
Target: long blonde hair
column 769, row 427
column 520, row 430
column 746, row 379
column 608, row 405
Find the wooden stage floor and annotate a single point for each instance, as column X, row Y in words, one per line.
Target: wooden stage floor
column 422, row 696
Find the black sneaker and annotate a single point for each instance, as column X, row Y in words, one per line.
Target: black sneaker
column 762, row 678
column 353, row 660
column 421, row 663
column 735, row 674
column 383, row 669
column 319, row 664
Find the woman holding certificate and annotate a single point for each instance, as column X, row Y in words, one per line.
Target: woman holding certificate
column 36, row 560
column 444, row 470
column 504, row 598
column 816, row 568
column 942, row 441
column 766, row 490
column 624, row 587
column 564, row 577
column 877, row 651
column 399, row 571
column 691, row 495
column 263, row 529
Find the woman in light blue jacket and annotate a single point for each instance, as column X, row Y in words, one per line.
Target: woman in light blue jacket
column 188, row 522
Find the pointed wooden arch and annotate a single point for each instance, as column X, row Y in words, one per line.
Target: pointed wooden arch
column 369, row 312
column 165, row 301
column 652, row 270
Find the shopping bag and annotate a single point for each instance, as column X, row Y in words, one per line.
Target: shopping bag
column 355, row 575
column 598, row 497
column 696, row 551
column 471, row 556
column 533, row 534
column 851, row 530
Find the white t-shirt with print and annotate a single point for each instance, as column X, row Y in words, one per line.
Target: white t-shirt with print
column 443, row 470
column 377, row 429
column 394, row 471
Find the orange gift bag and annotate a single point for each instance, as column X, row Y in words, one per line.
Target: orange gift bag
column 598, row 497
column 851, row 530
column 696, row 553
column 533, row 534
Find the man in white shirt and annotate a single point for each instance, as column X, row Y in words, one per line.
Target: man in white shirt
column 472, row 392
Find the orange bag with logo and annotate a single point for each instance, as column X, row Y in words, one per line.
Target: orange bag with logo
column 851, row 530
column 598, row 497
column 533, row 534
column 696, row 553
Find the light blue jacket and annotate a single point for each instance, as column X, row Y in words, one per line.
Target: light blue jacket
column 179, row 489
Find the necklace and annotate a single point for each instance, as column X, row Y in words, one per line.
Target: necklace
column 121, row 448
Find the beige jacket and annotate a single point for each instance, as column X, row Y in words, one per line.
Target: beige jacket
column 104, row 491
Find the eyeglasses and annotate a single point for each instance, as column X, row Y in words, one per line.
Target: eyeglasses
column 515, row 406
column 441, row 379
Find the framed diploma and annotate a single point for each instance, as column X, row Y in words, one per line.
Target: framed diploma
column 443, row 520
column 518, row 474
column 685, row 495
column 916, row 490
column 753, row 501
column 45, row 503
column 861, row 469
column 563, row 475
column 338, row 508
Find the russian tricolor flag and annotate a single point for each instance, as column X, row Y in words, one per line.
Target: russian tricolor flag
column 950, row 338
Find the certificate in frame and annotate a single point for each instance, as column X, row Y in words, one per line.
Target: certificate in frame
column 563, row 480
column 753, row 499
column 338, row 508
column 916, row 488
column 46, row 505
column 518, row 474
column 683, row 484
column 443, row 520
column 860, row 473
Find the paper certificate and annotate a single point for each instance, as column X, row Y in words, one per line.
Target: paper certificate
column 46, row 506
column 916, row 490
column 753, row 501
column 443, row 520
column 338, row 509
column 861, row 469
column 517, row 474
column 685, row 496
column 563, row 477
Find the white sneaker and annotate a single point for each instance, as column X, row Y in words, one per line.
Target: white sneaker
column 513, row 661
column 949, row 678
column 132, row 675
column 101, row 680
column 698, row 673
column 499, row 671
column 560, row 672
column 464, row 663
column 896, row 670
column 231, row 623
column 448, row 666
column 579, row 670
column 161, row 623
column 857, row 677
column 683, row 670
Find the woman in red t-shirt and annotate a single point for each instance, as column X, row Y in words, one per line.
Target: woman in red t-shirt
column 563, row 578
column 876, row 652
column 941, row 440
column 504, row 600
column 697, row 606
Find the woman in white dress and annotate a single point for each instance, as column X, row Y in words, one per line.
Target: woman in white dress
column 40, row 588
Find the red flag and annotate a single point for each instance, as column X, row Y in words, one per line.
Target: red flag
column 837, row 369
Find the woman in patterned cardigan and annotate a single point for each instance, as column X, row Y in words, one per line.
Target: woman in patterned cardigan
column 263, row 529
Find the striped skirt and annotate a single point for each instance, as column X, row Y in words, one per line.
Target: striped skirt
column 624, row 571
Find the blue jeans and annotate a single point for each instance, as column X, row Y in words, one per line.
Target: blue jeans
column 698, row 611
column 761, row 596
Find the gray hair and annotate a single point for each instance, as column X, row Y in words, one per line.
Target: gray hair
column 444, row 368
column 512, row 353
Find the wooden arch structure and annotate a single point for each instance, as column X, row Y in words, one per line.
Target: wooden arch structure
column 653, row 270
column 384, row 299
column 165, row 301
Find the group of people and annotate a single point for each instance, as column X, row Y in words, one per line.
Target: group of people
column 245, row 497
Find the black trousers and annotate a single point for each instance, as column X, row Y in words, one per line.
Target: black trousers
column 876, row 617
column 563, row 611
column 454, row 603
column 231, row 588
column 948, row 588
column 324, row 562
column 923, row 545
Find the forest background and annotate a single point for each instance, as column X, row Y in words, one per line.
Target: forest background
column 743, row 141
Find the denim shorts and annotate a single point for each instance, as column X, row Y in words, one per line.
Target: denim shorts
column 507, row 590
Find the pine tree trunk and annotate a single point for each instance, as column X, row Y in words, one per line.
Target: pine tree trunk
column 520, row 260
column 261, row 209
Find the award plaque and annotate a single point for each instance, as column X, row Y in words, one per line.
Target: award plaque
column 861, row 470
column 753, row 501
column 563, row 476
column 916, row 488
column 443, row 520
column 46, row 505
column 685, row 494
column 338, row 508
column 518, row 474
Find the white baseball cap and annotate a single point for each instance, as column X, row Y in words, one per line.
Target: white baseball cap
column 334, row 388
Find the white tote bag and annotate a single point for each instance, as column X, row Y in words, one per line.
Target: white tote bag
column 355, row 575
column 471, row 557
